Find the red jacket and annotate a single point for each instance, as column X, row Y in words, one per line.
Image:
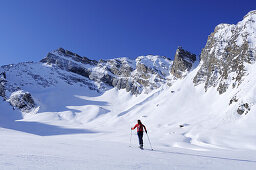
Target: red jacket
column 140, row 128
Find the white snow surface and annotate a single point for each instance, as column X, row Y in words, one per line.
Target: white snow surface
column 79, row 128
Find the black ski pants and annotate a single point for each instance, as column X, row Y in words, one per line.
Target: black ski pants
column 140, row 135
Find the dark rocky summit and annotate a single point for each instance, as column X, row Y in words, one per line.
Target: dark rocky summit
column 69, row 61
column 51, row 58
column 182, row 63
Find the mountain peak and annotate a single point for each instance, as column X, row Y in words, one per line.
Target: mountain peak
column 60, row 54
column 65, row 52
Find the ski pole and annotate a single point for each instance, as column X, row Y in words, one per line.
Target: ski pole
column 149, row 142
column 130, row 138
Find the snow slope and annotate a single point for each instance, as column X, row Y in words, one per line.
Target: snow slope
column 207, row 117
column 70, row 139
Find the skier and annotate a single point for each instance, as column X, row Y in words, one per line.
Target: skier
column 140, row 127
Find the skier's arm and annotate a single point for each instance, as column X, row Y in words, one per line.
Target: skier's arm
column 145, row 129
column 134, row 127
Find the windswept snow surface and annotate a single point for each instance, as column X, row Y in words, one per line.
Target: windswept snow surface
column 87, row 151
column 79, row 128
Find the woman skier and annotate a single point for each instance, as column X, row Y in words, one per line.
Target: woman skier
column 140, row 127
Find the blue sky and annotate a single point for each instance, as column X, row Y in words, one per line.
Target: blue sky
column 104, row 29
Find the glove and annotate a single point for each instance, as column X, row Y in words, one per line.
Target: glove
column 146, row 131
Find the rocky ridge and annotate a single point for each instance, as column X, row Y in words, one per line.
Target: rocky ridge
column 145, row 73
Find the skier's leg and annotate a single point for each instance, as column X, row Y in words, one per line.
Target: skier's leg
column 142, row 139
column 139, row 138
column 140, row 135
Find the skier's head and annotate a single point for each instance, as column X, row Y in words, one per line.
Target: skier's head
column 139, row 122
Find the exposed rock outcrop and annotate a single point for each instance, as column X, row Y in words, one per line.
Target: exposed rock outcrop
column 182, row 63
column 22, row 100
column 243, row 109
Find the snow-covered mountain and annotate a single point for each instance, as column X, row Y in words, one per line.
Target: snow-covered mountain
column 229, row 49
column 142, row 75
column 185, row 103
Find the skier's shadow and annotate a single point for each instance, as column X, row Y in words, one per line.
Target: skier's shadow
column 204, row 156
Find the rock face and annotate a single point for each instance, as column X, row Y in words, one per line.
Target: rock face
column 70, row 61
column 2, row 84
column 22, row 100
column 243, row 109
column 228, row 49
column 182, row 63
column 51, row 58
column 119, row 72
column 145, row 73
column 2, row 91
